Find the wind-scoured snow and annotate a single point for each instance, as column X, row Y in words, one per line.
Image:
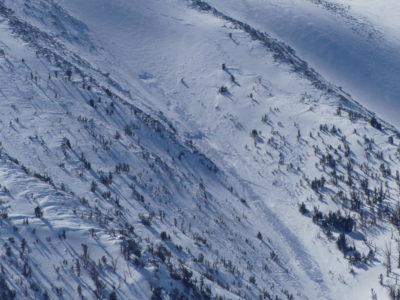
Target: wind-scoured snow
column 161, row 149
column 359, row 53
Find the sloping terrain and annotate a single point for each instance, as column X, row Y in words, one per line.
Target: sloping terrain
column 171, row 149
column 352, row 43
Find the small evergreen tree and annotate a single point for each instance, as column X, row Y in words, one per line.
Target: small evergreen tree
column 342, row 243
column 38, row 212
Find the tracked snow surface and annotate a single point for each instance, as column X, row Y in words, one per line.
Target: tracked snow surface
column 182, row 149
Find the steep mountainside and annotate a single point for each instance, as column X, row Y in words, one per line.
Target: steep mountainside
column 173, row 149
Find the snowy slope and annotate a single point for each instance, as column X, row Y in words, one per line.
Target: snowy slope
column 155, row 183
column 356, row 48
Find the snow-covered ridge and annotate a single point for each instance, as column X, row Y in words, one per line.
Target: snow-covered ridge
column 283, row 53
column 359, row 53
column 166, row 150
